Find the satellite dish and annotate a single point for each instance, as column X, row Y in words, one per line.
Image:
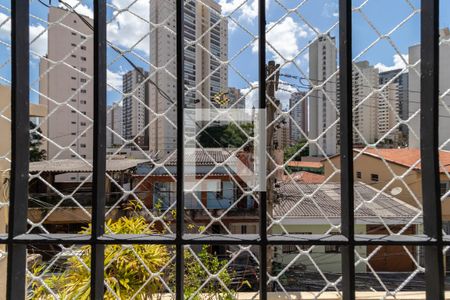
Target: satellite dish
column 395, row 191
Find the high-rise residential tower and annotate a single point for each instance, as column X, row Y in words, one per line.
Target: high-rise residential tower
column 66, row 88
column 402, row 81
column 365, row 103
column 298, row 106
column 114, row 120
column 387, row 117
column 322, row 103
column 135, row 108
column 206, row 35
column 444, row 85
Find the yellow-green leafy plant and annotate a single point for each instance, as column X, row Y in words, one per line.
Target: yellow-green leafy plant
column 128, row 268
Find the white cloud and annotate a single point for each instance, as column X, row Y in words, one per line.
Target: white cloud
column 127, row 29
column 38, row 32
column 285, row 37
column 79, row 8
column 398, row 63
column 246, row 10
column 39, row 46
column 5, row 29
column 252, row 98
column 331, row 9
column 114, row 80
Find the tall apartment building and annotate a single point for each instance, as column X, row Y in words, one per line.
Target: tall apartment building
column 388, row 111
column 135, row 112
column 281, row 135
column 235, row 96
column 298, row 106
column 65, row 73
column 322, row 111
column 365, row 80
column 204, row 74
column 114, row 119
column 444, row 85
column 402, row 81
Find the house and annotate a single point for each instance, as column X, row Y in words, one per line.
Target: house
column 216, row 183
column 395, row 171
column 66, row 206
column 302, row 208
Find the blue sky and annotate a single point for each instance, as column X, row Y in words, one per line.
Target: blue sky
column 289, row 36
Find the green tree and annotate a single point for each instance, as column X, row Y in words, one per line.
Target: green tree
column 226, row 136
column 36, row 154
column 292, row 151
column 126, row 267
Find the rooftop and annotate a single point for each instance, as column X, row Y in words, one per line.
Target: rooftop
column 80, row 166
column 328, row 199
column 305, row 164
column 407, row 157
column 305, row 177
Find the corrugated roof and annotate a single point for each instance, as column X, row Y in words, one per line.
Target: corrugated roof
column 79, row 166
column 329, row 200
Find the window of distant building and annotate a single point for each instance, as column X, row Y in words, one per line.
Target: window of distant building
column 374, row 177
column 358, row 175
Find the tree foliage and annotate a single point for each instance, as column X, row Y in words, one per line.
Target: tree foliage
column 293, row 151
column 226, row 136
column 129, row 269
column 36, row 153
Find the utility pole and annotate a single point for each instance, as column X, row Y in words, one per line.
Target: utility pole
column 273, row 77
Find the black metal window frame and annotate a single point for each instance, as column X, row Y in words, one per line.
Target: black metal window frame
column 17, row 238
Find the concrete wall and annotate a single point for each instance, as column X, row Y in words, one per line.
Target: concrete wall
column 327, row 262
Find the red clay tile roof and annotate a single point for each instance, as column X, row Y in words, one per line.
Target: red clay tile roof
column 407, row 157
column 305, row 177
column 305, row 164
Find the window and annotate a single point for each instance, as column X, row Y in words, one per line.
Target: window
column 83, row 47
column 358, row 175
column 83, row 58
column 332, row 248
column 83, row 91
column 374, row 177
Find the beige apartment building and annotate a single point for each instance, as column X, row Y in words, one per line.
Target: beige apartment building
column 66, row 88
column 388, row 114
column 207, row 37
column 444, row 85
column 365, row 80
column 377, row 168
column 5, row 156
column 322, row 103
